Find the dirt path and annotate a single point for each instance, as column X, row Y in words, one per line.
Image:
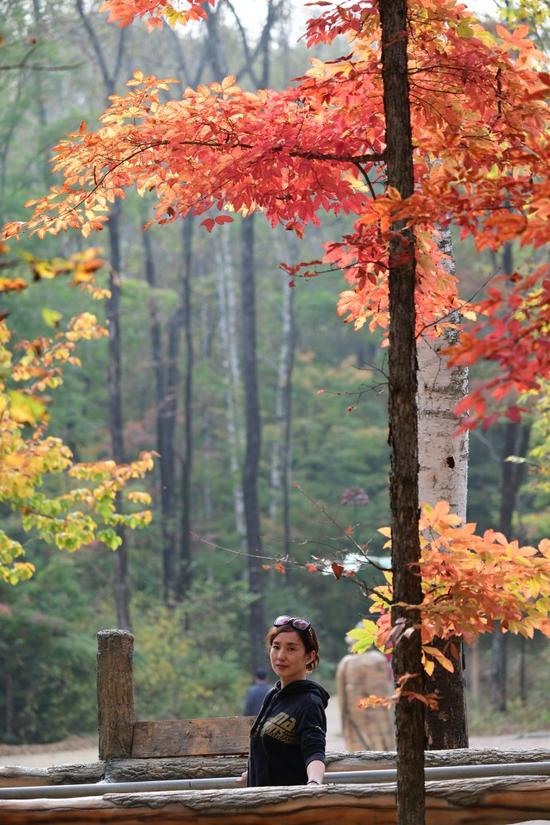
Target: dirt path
column 77, row 750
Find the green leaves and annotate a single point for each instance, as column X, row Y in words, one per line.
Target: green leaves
column 365, row 636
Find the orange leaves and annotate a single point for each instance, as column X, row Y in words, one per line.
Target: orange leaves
column 479, row 130
column 469, row 582
column 12, row 284
column 124, row 12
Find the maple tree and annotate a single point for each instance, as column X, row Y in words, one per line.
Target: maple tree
column 478, row 123
column 85, row 510
column 478, row 119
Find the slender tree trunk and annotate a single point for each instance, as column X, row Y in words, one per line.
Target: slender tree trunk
column 443, row 474
column 403, row 421
column 207, row 328
column 116, row 425
column 40, row 101
column 515, row 442
column 522, row 674
column 116, row 422
column 184, row 574
column 164, row 446
column 281, row 454
column 253, row 443
column 231, row 374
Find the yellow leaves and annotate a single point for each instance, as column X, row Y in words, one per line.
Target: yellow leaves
column 431, row 653
column 51, row 317
column 386, row 531
column 137, row 497
column 26, row 409
column 364, row 636
column 85, row 327
column 77, row 516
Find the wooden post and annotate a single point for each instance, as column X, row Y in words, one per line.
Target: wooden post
column 115, row 693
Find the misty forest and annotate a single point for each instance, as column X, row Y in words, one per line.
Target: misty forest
column 257, row 406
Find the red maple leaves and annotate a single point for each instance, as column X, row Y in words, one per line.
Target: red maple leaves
column 478, row 121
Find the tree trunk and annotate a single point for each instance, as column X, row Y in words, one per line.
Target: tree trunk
column 403, row 435
column 231, row 373
column 281, row 454
column 116, row 425
column 165, row 446
column 515, row 442
column 253, row 443
column 443, row 474
column 184, row 574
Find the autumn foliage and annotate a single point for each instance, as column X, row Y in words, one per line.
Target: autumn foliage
column 481, row 153
column 481, row 150
column 469, row 583
column 85, row 510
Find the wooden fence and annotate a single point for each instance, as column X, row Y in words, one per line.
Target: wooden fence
column 122, row 737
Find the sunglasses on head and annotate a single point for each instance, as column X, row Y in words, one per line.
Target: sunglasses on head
column 294, row 621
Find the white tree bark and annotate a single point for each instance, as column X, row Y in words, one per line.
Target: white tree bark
column 231, row 372
column 443, row 456
column 279, row 476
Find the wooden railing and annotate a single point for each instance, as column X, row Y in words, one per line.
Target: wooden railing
column 121, row 736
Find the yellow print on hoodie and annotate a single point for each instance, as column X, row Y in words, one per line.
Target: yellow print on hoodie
column 281, row 727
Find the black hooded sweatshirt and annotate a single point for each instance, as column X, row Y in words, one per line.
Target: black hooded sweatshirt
column 288, row 734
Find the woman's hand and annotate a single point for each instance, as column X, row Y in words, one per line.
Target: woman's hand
column 243, row 778
column 315, row 772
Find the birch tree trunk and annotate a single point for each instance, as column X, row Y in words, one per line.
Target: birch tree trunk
column 443, row 474
column 403, row 421
column 280, row 470
column 231, row 372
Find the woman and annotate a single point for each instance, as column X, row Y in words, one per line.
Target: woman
column 287, row 740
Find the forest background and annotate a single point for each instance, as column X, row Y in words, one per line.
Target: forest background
column 187, row 388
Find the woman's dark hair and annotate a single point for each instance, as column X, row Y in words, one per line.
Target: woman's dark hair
column 308, row 637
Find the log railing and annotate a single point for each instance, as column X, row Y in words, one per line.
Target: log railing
column 132, row 750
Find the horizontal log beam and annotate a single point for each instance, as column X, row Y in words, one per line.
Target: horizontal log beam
column 192, row 767
column 463, row 802
column 56, row 775
column 186, row 737
column 198, row 767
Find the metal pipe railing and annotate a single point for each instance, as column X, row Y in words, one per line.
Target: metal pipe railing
column 332, row 778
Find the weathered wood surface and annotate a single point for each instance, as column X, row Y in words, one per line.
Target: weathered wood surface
column 464, row 802
column 12, row 776
column 115, row 693
column 198, row 767
column 192, row 767
column 183, row 737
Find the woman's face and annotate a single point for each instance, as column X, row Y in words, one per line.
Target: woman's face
column 289, row 658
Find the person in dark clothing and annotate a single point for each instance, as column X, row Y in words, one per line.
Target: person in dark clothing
column 287, row 740
column 256, row 693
